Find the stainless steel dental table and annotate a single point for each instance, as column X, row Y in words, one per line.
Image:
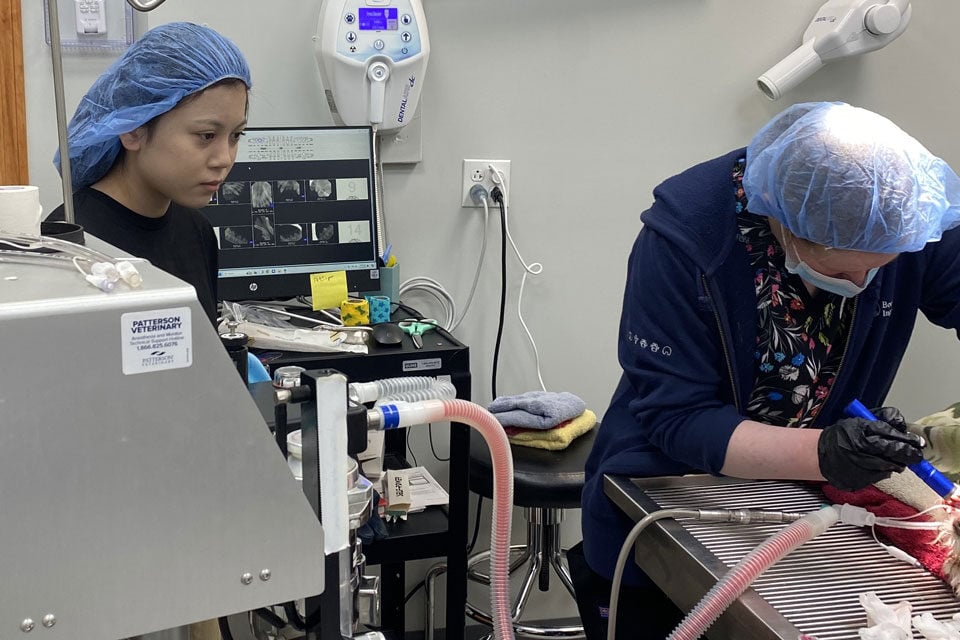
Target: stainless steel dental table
column 812, row 591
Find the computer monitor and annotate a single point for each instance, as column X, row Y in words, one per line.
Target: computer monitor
column 297, row 201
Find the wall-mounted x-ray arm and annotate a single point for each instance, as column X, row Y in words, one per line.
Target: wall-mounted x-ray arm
column 840, row 29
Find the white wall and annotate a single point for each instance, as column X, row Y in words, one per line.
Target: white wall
column 594, row 103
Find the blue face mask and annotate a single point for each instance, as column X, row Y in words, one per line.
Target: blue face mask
column 839, row 286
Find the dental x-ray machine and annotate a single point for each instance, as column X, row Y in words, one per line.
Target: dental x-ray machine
column 840, row 29
column 372, row 56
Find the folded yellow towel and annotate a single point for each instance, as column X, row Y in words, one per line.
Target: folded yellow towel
column 559, row 437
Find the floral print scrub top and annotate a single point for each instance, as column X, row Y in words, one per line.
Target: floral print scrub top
column 800, row 337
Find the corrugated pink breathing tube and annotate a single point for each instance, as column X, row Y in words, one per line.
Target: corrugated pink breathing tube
column 403, row 414
column 736, row 581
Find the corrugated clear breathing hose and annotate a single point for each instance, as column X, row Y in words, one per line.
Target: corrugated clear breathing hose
column 741, row 576
column 441, row 390
column 364, row 392
column 401, row 415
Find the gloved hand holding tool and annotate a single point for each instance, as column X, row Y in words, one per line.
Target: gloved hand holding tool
column 931, row 476
column 856, row 452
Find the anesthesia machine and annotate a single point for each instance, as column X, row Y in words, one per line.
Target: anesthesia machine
column 145, row 490
column 128, row 487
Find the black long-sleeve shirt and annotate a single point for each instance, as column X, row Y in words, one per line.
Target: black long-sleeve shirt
column 181, row 242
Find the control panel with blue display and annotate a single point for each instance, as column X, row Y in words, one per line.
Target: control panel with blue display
column 378, row 19
column 392, row 31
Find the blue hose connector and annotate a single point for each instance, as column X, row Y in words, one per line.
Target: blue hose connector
column 933, row 478
column 391, row 416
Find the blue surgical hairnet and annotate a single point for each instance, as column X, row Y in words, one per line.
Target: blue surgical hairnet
column 847, row 178
column 164, row 66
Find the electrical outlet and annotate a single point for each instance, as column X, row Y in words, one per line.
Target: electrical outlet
column 91, row 19
column 478, row 172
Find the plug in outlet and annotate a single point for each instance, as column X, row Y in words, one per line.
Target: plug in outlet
column 478, row 172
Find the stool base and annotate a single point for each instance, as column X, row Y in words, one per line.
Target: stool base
column 541, row 554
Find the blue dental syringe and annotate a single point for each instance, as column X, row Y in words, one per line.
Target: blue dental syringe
column 944, row 486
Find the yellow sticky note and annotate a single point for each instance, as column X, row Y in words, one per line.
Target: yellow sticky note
column 328, row 289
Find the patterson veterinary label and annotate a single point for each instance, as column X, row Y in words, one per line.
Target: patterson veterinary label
column 156, row 340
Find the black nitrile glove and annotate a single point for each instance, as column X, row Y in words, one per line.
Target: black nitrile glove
column 854, row 452
column 892, row 416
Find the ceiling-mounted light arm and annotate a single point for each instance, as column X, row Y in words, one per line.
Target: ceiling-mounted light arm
column 840, row 29
column 145, row 5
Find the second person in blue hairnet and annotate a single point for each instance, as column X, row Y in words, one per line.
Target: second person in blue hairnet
column 767, row 289
column 150, row 143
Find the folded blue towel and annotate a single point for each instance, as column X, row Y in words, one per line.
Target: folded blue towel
column 537, row 409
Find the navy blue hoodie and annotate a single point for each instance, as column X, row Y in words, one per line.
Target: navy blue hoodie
column 688, row 332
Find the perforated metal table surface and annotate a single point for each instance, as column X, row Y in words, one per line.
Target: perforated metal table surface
column 815, row 590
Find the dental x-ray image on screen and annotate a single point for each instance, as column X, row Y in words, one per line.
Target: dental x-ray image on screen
column 297, row 201
column 234, row 193
column 290, row 190
column 261, row 195
column 320, row 189
column 263, row 232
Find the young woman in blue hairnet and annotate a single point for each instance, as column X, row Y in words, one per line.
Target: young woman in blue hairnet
column 151, row 142
column 766, row 290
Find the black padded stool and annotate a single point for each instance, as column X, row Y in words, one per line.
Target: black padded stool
column 545, row 483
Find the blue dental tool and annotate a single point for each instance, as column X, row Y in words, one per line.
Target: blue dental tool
column 933, row 478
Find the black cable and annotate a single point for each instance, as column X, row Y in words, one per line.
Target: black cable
column 311, row 622
column 410, row 594
column 476, row 525
column 270, row 618
column 415, row 314
column 281, row 431
column 410, row 449
column 410, row 310
column 293, row 616
column 434, row 451
column 224, row 628
column 497, row 196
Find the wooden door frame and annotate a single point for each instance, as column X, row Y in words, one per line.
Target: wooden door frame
column 13, row 112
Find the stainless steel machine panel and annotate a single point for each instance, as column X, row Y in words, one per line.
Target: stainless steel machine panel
column 134, row 498
column 814, row 590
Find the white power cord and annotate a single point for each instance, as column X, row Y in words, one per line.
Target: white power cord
column 429, row 285
column 434, row 288
column 534, row 268
column 483, row 252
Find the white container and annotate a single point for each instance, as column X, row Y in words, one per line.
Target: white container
column 295, row 454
